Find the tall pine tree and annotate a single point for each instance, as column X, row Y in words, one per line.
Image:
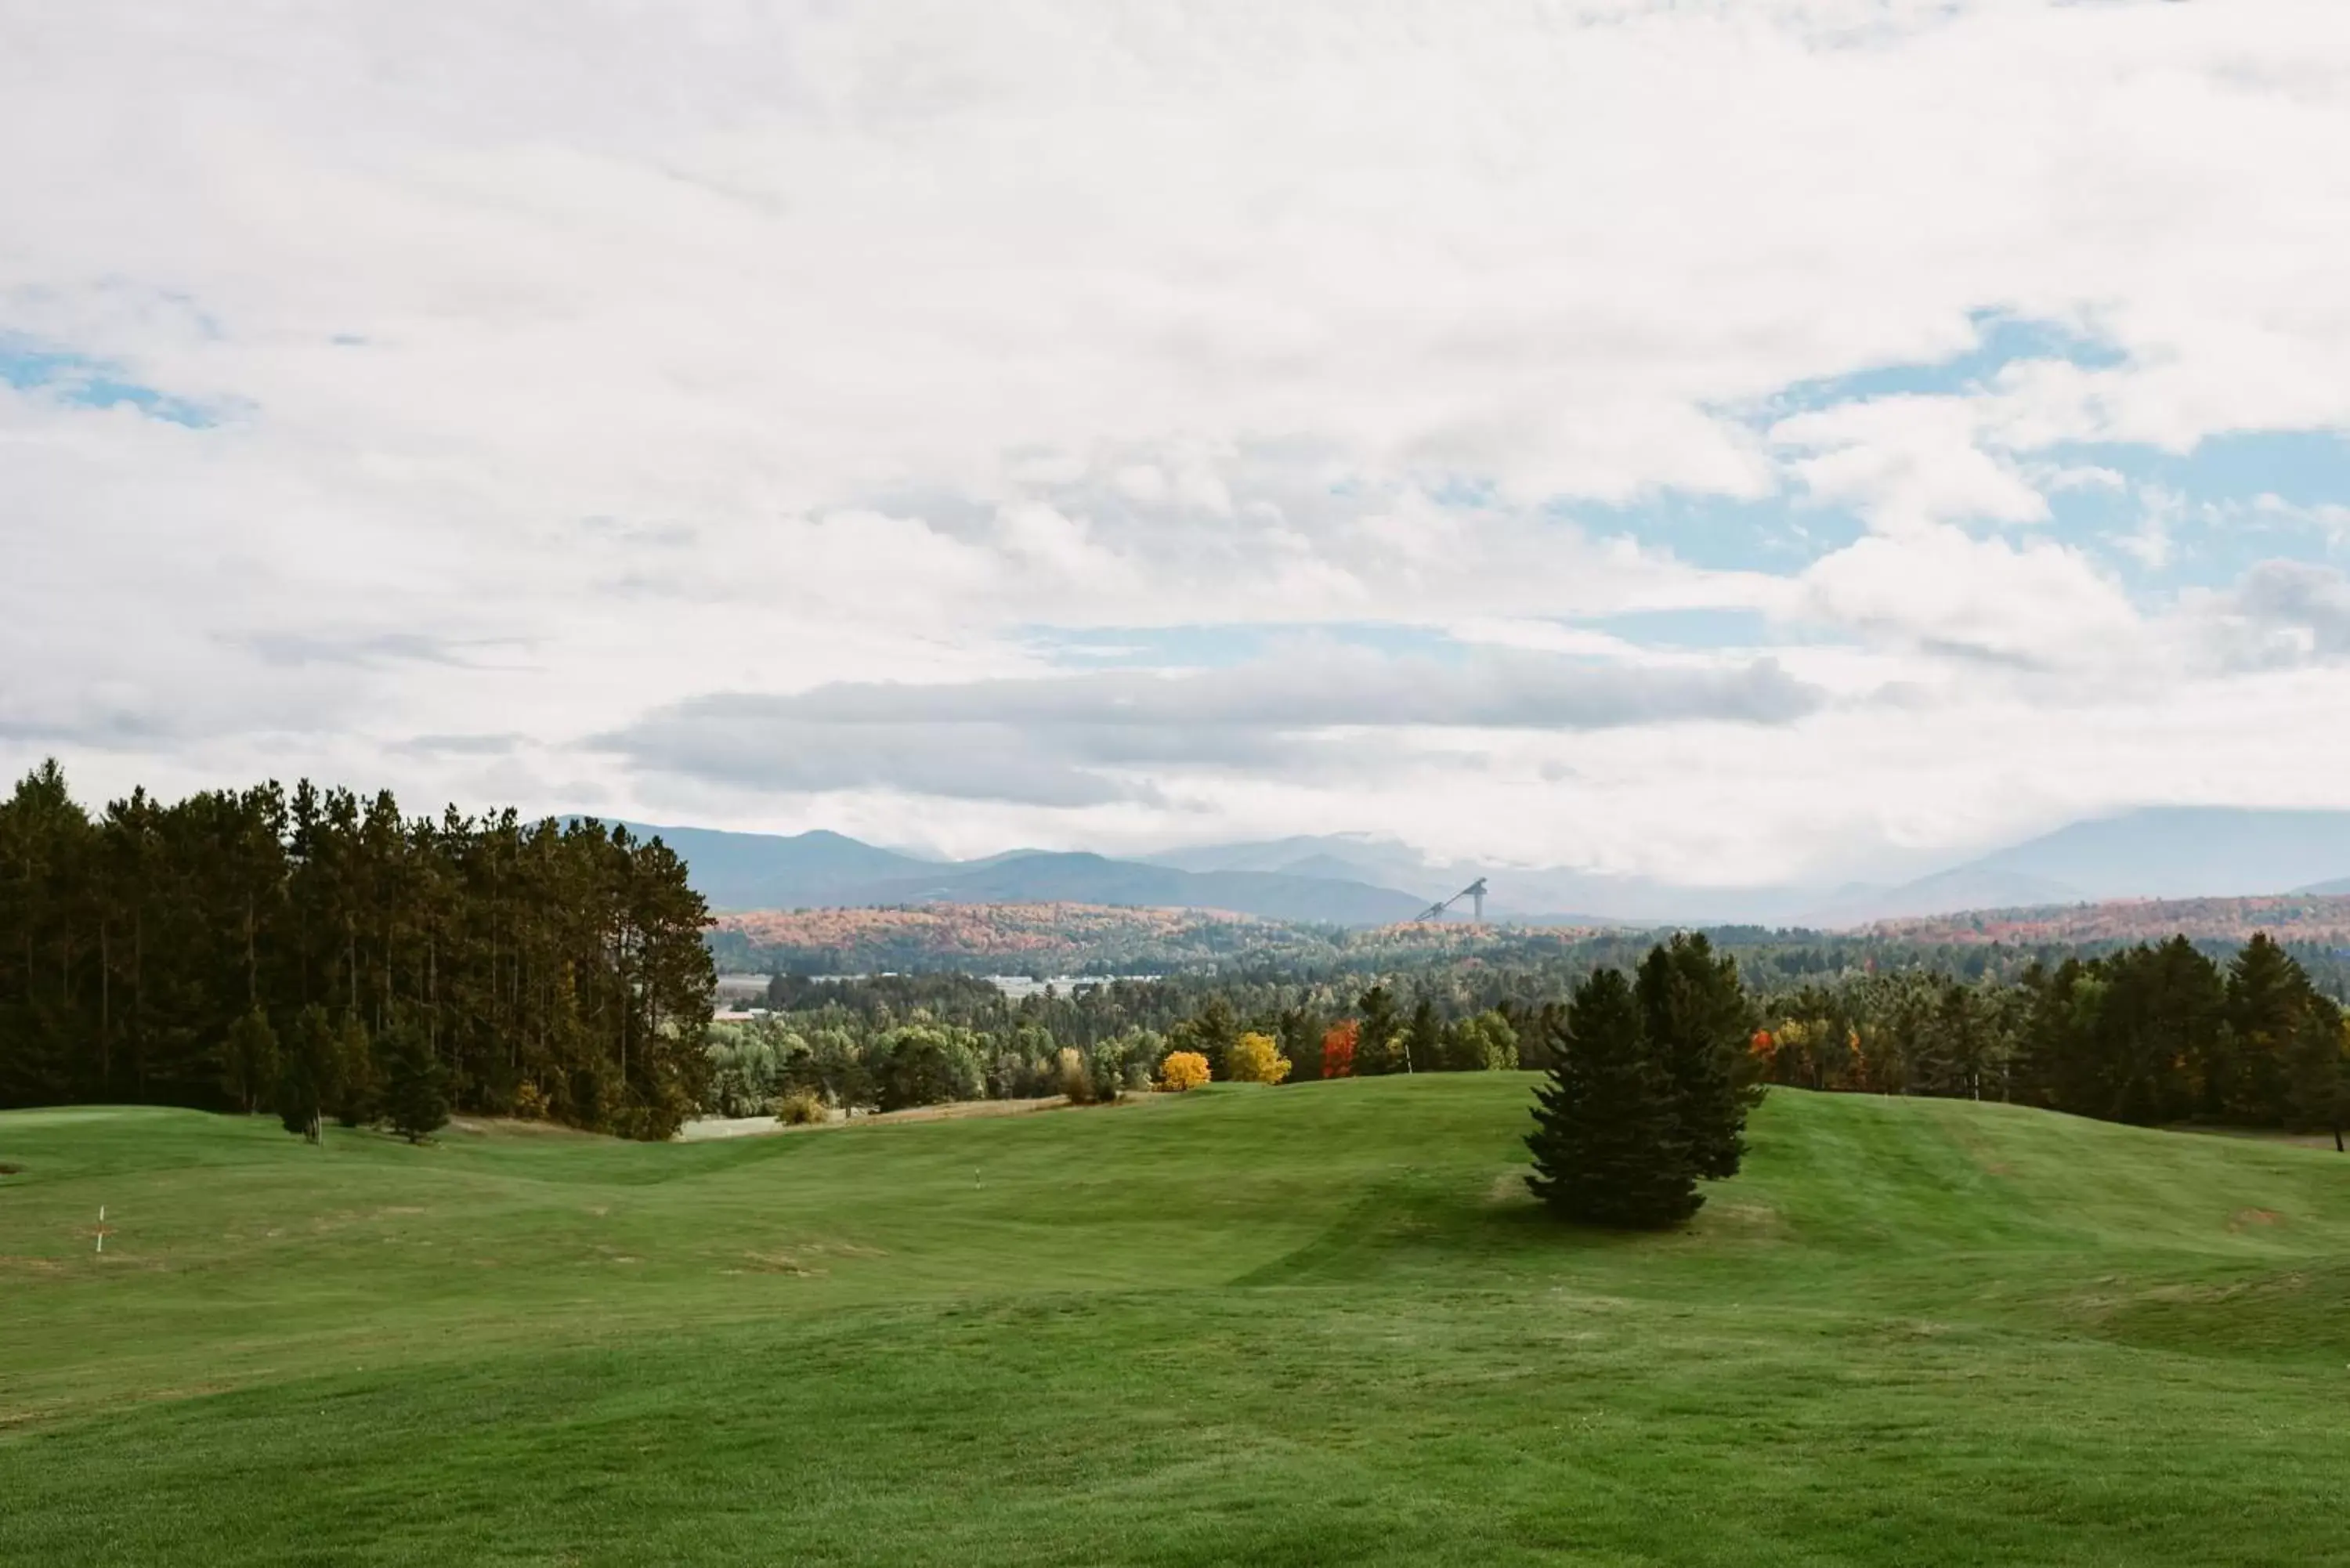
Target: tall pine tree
column 2318, row 1073
column 1697, row 1022
column 305, row 1080
column 2268, row 1004
column 1607, row 1142
column 1379, row 1044
column 249, row 1064
column 416, row 1094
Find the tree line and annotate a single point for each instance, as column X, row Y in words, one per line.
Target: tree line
column 2153, row 1033
column 889, row 1042
column 317, row 953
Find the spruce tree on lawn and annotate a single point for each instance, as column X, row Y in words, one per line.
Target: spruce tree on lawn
column 1379, row 1045
column 356, row 1088
column 1607, row 1142
column 2319, row 1083
column 1423, row 1039
column 250, row 1066
column 305, row 1080
column 1699, row 1022
column 416, row 1098
column 2268, row 1003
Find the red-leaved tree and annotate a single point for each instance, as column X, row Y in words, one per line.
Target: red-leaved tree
column 1338, row 1049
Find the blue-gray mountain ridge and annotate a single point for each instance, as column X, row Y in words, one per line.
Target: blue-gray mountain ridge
column 1350, row 879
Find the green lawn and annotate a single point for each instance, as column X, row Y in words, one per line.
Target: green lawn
column 1313, row 1325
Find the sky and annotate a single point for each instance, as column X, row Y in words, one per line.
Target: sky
column 1730, row 443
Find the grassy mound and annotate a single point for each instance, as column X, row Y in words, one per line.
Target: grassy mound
column 1315, row 1325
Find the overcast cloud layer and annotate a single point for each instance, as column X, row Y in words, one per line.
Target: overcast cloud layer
column 1726, row 442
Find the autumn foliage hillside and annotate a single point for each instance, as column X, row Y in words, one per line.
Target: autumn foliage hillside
column 2289, row 917
column 1092, row 938
column 1057, row 937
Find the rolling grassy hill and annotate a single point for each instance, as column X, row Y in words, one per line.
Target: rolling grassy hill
column 1313, row 1325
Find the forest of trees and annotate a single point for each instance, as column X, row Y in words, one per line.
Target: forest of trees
column 317, row 954
column 839, row 1039
column 2150, row 1034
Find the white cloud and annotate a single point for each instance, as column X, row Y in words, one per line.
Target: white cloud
column 1940, row 589
column 633, row 354
column 1083, row 740
column 1906, row 462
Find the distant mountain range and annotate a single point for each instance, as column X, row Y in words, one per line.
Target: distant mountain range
column 2164, row 852
column 744, row 871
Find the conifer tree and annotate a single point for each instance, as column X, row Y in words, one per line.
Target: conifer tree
column 306, row 1079
column 1698, row 1023
column 1607, row 1142
column 1300, row 1033
column 1423, row 1039
column 249, row 1065
column 1378, row 1044
column 1212, row 1032
column 2269, row 1001
column 2319, row 1086
column 416, row 1096
column 358, row 1084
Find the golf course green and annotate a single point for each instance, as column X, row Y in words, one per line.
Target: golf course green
column 1319, row 1323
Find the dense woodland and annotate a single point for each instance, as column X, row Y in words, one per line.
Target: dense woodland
column 319, row 954
column 2148, row 1033
column 2151, row 1033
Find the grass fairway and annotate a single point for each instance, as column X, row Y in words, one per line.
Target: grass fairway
column 1315, row 1325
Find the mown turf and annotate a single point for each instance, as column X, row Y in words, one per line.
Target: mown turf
column 1315, row 1325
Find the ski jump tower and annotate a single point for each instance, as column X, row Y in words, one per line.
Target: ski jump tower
column 1474, row 893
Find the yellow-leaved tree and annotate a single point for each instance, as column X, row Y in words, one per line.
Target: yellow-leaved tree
column 1256, row 1059
column 1182, row 1070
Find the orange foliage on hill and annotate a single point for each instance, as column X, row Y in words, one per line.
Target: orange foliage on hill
column 966, row 928
column 2301, row 918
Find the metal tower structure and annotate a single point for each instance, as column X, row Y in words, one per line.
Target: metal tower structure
column 1474, row 893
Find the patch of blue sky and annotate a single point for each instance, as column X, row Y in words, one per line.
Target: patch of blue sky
column 2227, row 505
column 86, row 383
column 2302, row 468
column 1779, row 533
column 2000, row 338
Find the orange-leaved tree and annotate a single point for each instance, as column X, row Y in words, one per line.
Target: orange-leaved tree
column 1182, row 1070
column 1338, row 1049
column 1256, row 1059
